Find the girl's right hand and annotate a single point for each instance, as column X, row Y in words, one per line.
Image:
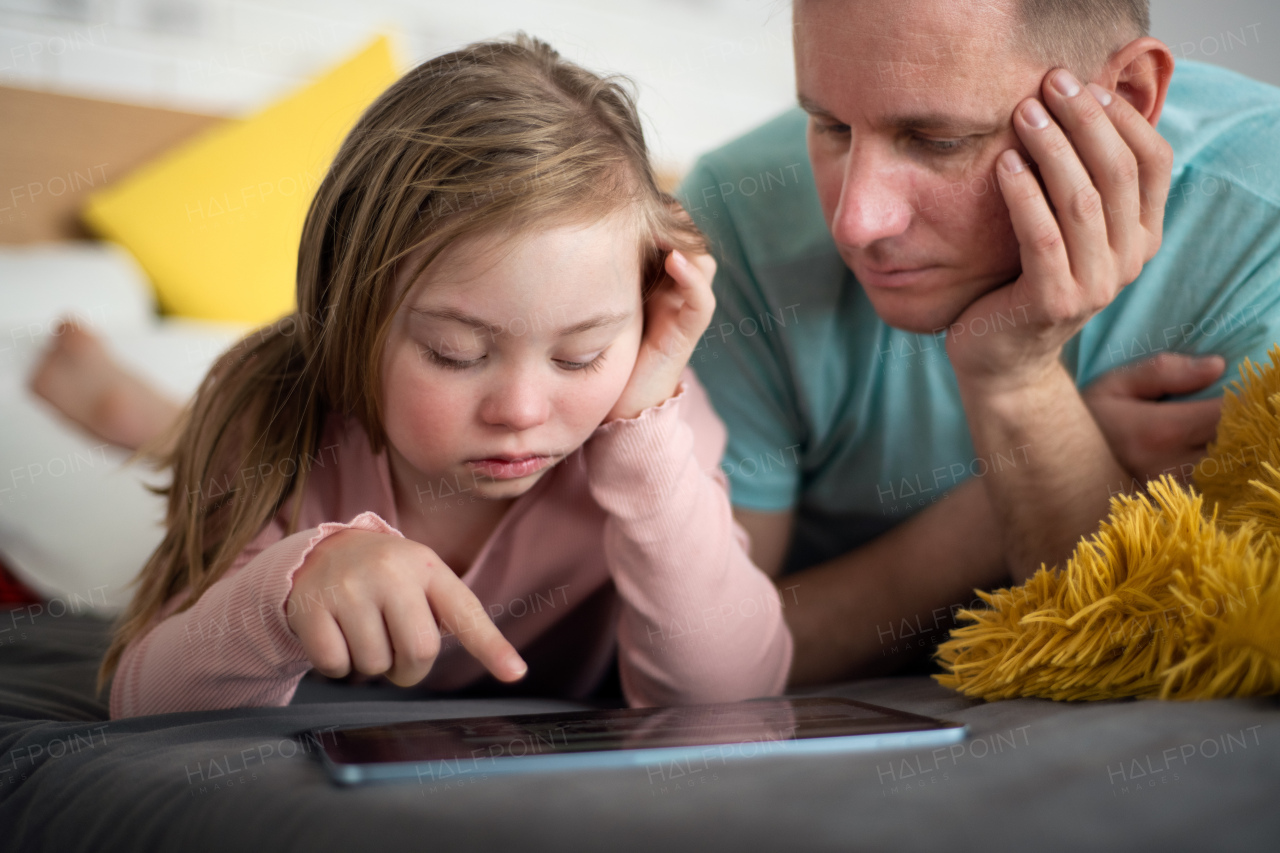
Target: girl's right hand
column 370, row 601
column 676, row 314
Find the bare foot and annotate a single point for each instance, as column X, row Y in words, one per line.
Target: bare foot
column 78, row 376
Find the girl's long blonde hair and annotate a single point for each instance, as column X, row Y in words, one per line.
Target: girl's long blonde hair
column 499, row 135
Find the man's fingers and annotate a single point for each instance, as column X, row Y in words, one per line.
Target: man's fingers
column 1045, row 267
column 1168, row 374
column 1112, row 167
column 1079, row 205
column 1154, row 156
column 1201, row 419
column 457, row 606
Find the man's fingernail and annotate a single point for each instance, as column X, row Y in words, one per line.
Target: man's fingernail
column 680, row 259
column 1035, row 115
column 1103, row 96
column 1065, row 82
column 1012, row 162
column 517, row 665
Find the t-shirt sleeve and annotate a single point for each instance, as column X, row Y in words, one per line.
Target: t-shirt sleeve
column 744, row 364
column 1213, row 289
column 1244, row 322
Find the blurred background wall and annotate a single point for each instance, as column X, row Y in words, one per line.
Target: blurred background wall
column 707, row 69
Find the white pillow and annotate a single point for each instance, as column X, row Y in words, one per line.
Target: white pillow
column 98, row 282
column 76, row 525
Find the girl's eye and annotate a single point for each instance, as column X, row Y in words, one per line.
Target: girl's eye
column 438, row 358
column 447, row 362
column 592, row 364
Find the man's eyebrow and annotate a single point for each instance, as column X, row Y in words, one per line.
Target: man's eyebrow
column 608, row 318
column 958, row 125
column 927, row 121
column 810, row 106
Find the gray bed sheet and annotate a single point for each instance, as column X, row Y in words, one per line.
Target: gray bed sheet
column 1033, row 775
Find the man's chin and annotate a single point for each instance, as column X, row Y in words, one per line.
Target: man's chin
column 925, row 314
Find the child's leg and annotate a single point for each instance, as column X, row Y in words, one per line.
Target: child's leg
column 78, row 376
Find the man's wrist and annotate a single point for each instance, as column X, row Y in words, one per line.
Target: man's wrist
column 1013, row 389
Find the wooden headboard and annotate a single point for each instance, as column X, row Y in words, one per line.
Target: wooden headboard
column 56, row 149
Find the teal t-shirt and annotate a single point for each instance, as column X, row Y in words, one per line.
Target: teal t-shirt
column 856, row 425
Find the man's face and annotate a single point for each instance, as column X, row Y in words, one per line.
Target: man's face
column 910, row 104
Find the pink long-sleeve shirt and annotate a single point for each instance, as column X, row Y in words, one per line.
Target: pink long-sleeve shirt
column 627, row 547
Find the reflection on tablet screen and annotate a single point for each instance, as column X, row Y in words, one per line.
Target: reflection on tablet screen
column 618, row 730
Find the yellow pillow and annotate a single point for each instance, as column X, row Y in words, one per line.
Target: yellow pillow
column 216, row 221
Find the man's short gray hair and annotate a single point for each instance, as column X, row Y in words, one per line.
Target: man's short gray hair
column 1081, row 34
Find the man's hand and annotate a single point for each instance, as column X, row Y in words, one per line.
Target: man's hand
column 1107, row 174
column 1150, row 437
column 1086, row 235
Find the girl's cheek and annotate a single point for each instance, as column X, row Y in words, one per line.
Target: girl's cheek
column 412, row 389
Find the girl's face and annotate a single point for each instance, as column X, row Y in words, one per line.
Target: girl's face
column 506, row 354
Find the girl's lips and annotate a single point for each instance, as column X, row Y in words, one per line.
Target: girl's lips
column 498, row 468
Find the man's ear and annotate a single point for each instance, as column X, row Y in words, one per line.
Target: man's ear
column 1140, row 73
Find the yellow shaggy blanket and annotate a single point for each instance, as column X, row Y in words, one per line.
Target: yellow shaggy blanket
column 1177, row 596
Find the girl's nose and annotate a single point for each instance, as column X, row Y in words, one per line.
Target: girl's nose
column 517, row 401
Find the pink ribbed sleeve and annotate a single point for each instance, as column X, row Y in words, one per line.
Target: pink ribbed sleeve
column 699, row 621
column 233, row 647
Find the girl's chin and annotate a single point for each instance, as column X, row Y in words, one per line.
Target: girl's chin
column 497, row 490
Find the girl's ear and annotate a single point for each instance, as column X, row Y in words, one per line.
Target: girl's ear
column 1140, row 73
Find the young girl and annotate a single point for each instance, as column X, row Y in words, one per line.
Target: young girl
column 476, row 445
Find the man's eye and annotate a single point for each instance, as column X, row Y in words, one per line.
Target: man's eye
column 445, row 361
column 833, row 128
column 937, row 146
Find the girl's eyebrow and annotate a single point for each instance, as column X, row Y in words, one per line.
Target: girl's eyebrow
column 609, row 318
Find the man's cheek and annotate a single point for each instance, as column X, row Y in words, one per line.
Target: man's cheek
column 827, row 178
column 993, row 232
column 956, row 196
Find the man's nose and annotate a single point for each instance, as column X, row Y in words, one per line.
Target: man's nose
column 517, row 400
column 874, row 202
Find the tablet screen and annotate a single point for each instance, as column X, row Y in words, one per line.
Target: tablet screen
column 623, row 736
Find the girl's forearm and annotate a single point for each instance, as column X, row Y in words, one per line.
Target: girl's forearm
column 700, row 622
column 233, row 647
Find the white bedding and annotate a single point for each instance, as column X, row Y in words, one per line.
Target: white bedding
column 76, row 523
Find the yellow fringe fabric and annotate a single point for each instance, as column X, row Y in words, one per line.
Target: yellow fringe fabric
column 1177, row 596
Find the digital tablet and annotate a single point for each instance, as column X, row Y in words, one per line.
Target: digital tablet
column 433, row 750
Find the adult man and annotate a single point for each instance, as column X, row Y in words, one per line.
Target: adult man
column 901, row 327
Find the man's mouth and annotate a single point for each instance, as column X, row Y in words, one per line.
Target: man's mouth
column 892, row 276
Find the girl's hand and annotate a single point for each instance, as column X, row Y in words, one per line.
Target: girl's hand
column 370, row 601
column 678, row 312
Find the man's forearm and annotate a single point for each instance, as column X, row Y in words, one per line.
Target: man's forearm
column 862, row 610
column 1062, row 475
